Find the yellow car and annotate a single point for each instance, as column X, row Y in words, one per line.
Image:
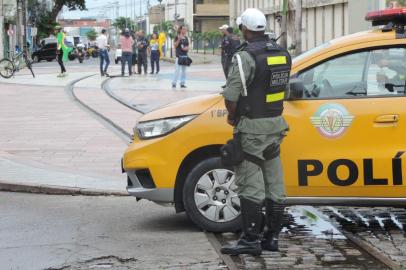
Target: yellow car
column 347, row 115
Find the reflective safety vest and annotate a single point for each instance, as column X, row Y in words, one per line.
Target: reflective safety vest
column 264, row 96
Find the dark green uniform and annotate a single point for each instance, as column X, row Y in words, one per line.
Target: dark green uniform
column 256, row 135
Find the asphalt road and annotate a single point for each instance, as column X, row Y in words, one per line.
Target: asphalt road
column 76, row 232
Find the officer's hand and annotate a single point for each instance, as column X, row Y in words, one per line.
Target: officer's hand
column 231, row 122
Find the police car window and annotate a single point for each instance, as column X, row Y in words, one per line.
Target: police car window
column 387, row 72
column 336, row 78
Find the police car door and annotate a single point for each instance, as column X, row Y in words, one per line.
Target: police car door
column 348, row 132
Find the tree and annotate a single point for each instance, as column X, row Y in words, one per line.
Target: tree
column 123, row 23
column 92, row 35
column 213, row 38
column 163, row 26
column 40, row 17
column 71, row 4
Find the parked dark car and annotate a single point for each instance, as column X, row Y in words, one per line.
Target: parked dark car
column 45, row 52
column 48, row 52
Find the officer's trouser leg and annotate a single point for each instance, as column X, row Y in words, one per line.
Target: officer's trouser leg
column 251, row 225
column 274, row 203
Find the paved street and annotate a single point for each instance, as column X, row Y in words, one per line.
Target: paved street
column 43, row 231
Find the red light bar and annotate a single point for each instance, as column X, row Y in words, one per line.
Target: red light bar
column 383, row 17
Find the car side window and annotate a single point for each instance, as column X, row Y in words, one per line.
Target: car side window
column 386, row 72
column 340, row 77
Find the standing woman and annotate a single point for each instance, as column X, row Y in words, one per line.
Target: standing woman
column 181, row 44
column 154, row 52
column 126, row 42
column 62, row 50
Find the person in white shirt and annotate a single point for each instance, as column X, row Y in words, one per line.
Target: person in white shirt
column 104, row 54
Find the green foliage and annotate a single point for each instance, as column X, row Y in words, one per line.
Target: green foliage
column 164, row 26
column 70, row 4
column 122, row 23
column 212, row 36
column 45, row 20
column 92, row 35
column 45, row 25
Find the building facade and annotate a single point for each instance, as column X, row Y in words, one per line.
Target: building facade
column 197, row 15
column 322, row 20
column 210, row 14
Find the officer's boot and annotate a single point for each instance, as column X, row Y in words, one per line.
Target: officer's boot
column 274, row 221
column 249, row 242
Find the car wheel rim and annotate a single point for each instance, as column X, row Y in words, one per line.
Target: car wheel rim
column 216, row 196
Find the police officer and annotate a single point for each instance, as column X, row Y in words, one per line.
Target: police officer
column 254, row 97
column 229, row 46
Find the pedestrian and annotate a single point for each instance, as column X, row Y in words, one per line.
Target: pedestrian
column 154, row 53
column 62, row 51
column 103, row 45
column 162, row 42
column 135, row 49
column 229, row 46
column 255, row 104
column 126, row 42
column 142, row 45
column 181, row 44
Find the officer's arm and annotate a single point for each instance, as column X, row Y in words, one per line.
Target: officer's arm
column 234, row 87
column 232, row 112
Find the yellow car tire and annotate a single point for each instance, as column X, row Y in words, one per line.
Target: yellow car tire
column 210, row 197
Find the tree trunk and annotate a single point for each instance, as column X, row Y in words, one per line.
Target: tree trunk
column 298, row 27
column 284, row 25
column 55, row 10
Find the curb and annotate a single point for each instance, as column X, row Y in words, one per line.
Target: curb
column 58, row 190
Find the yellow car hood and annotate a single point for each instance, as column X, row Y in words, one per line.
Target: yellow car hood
column 195, row 105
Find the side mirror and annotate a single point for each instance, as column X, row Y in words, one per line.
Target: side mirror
column 296, row 89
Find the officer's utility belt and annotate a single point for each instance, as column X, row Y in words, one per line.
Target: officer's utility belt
column 232, row 153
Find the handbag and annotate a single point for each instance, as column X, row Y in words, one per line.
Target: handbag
column 184, row 61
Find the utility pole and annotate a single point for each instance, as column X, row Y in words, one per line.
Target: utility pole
column 298, row 27
column 176, row 12
column 1, row 27
column 284, row 24
column 24, row 8
column 126, row 14
column 19, row 32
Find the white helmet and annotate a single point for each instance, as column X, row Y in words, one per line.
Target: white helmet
column 238, row 21
column 253, row 20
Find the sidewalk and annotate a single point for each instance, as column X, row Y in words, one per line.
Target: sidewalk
column 50, row 144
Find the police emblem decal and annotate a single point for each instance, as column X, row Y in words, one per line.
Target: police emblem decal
column 331, row 120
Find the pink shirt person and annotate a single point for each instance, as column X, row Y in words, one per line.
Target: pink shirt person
column 126, row 44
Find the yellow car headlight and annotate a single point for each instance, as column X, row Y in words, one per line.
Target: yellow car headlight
column 161, row 127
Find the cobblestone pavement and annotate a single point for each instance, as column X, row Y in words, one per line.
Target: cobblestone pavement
column 308, row 242
column 382, row 228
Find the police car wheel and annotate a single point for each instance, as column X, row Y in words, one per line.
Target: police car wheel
column 210, row 197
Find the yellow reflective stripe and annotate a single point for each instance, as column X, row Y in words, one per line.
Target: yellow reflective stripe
column 276, row 60
column 275, row 97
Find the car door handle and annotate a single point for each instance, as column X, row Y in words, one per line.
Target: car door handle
column 387, row 118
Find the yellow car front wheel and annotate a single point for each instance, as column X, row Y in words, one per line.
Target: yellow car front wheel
column 210, row 197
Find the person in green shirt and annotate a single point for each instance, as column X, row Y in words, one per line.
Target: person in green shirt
column 254, row 96
column 62, row 51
